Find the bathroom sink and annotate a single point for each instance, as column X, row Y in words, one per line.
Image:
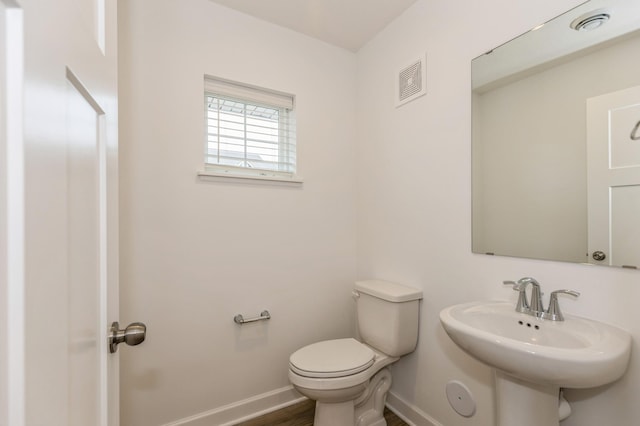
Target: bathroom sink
column 574, row 353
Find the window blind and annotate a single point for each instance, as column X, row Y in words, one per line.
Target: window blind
column 249, row 130
column 248, row 93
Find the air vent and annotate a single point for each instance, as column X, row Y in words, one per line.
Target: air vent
column 590, row 21
column 412, row 82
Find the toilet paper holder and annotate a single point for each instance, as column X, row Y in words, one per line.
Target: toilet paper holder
column 264, row 315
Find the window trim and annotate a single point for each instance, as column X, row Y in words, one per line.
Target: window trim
column 221, row 174
column 253, row 95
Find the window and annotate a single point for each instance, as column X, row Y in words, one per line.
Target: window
column 249, row 131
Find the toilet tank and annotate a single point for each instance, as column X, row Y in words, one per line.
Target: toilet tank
column 388, row 316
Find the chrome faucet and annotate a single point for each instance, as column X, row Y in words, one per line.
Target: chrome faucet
column 523, row 305
column 536, row 295
column 535, row 307
column 554, row 313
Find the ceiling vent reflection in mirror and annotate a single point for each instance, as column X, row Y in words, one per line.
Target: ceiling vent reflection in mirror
column 412, row 82
column 591, row 21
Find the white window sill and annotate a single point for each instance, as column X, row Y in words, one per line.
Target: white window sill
column 204, row 174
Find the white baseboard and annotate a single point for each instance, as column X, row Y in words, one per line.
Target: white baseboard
column 246, row 409
column 259, row 405
column 409, row 413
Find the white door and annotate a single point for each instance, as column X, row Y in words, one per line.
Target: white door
column 11, row 217
column 59, row 216
column 613, row 181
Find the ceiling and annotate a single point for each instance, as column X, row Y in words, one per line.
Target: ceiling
column 345, row 23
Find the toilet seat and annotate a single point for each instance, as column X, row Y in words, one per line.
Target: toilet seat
column 332, row 358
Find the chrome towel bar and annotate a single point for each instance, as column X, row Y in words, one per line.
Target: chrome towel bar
column 264, row 315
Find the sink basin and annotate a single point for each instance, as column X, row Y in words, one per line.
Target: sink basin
column 574, row 353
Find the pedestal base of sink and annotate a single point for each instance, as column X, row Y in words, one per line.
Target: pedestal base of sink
column 525, row 404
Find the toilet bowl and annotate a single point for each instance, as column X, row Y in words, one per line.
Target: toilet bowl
column 347, row 378
column 337, row 375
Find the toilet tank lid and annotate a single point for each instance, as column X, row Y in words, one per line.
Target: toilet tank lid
column 389, row 291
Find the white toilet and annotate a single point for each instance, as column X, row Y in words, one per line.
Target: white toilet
column 347, row 378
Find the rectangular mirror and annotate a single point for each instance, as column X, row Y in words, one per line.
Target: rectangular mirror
column 556, row 140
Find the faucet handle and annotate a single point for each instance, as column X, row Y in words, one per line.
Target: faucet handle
column 554, row 313
column 511, row 283
column 517, row 286
column 523, row 304
column 569, row 292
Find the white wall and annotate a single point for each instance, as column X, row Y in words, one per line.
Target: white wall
column 414, row 207
column 195, row 253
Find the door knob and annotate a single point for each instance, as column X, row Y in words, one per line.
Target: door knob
column 133, row 335
column 599, row 255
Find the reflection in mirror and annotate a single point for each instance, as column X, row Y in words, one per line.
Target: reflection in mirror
column 556, row 169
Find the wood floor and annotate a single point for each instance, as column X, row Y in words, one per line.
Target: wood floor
column 302, row 415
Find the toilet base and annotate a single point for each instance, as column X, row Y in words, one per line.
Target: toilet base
column 365, row 410
column 369, row 408
column 334, row 413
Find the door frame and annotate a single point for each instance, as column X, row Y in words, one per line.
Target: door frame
column 12, row 219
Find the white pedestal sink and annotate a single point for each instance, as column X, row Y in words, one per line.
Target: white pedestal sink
column 533, row 358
